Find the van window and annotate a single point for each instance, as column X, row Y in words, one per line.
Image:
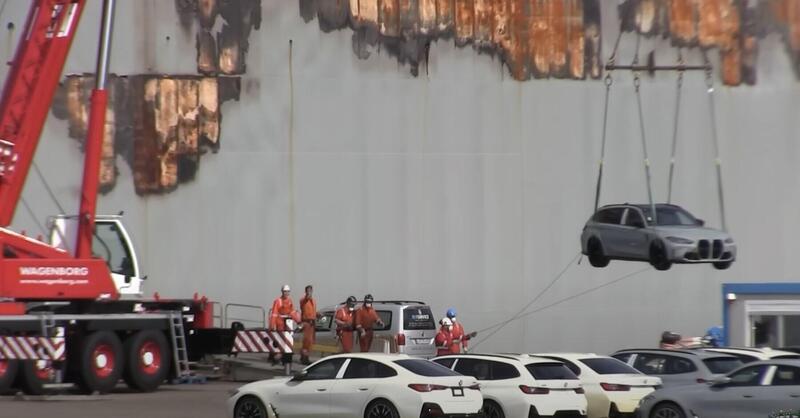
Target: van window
column 386, row 317
column 419, row 317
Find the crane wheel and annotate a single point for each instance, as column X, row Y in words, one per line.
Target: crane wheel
column 8, row 371
column 100, row 362
column 147, row 360
column 32, row 375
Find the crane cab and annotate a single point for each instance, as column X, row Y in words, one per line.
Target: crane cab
column 111, row 242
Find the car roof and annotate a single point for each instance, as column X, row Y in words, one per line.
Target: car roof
column 640, row 205
column 682, row 352
column 766, row 351
column 374, row 356
column 507, row 357
column 775, row 362
column 569, row 356
column 381, row 303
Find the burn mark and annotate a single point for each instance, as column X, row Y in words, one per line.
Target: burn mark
column 732, row 27
column 159, row 125
column 221, row 51
column 539, row 38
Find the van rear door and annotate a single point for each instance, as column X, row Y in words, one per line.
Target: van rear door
column 419, row 330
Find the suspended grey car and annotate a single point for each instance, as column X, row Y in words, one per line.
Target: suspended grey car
column 629, row 232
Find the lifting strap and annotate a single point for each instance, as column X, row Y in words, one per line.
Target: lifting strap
column 715, row 139
column 636, row 84
column 675, row 126
column 608, row 82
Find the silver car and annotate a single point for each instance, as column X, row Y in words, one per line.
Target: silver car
column 628, row 232
column 409, row 328
column 759, row 389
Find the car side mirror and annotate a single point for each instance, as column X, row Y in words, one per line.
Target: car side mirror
column 700, row 222
column 299, row 377
column 721, row 381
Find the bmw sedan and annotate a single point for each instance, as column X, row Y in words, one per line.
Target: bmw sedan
column 673, row 235
column 758, row 389
column 368, row 385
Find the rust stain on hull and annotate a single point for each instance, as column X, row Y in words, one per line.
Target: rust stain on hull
column 732, row 27
column 160, row 125
column 533, row 38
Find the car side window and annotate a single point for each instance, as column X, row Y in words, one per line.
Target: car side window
column 367, row 369
column 750, row 376
column 609, row 216
column 446, row 362
column 786, row 376
column 502, row 371
column 634, row 219
column 677, row 365
column 386, row 318
column 324, row 322
column 650, row 363
column 327, row 369
column 476, row 368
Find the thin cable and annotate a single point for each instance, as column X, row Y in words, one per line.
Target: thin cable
column 715, row 140
column 675, row 128
column 636, row 84
column 585, row 292
column 33, row 216
column 502, row 325
column 608, row 82
column 47, row 187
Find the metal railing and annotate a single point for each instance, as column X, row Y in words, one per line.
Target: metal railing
column 227, row 319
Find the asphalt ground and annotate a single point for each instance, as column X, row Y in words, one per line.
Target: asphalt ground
column 170, row 401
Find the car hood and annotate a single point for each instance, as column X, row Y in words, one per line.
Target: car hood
column 691, row 232
column 265, row 384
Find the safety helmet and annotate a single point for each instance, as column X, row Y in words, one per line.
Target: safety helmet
column 451, row 313
column 368, row 298
column 351, row 301
column 286, row 288
column 446, row 322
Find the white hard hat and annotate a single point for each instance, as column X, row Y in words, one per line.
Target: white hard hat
column 446, row 322
column 286, row 288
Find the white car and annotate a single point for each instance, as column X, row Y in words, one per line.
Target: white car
column 369, row 385
column 518, row 385
column 613, row 389
column 749, row 355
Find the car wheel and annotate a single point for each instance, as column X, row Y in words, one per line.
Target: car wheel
column 596, row 257
column 492, row 410
column 249, row 407
column 658, row 256
column 381, row 409
column 722, row 265
column 667, row 410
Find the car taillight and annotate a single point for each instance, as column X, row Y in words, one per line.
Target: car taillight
column 476, row 386
column 580, row 391
column 701, row 380
column 530, row 390
column 424, row 387
column 401, row 339
column 613, row 387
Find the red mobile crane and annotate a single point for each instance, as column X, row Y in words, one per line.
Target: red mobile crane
column 62, row 316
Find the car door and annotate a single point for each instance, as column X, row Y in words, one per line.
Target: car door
column 309, row 394
column 607, row 225
column 783, row 391
column 740, row 398
column 635, row 235
column 352, row 392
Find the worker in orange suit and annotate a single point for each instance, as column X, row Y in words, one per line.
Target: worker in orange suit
column 460, row 338
column 308, row 317
column 345, row 324
column 366, row 319
column 282, row 310
column 444, row 338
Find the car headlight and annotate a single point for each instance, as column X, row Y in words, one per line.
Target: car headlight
column 729, row 240
column 679, row 240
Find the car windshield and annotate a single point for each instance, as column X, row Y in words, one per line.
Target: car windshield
column 669, row 215
column 425, row 368
column 550, row 371
column 602, row 365
column 722, row 365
